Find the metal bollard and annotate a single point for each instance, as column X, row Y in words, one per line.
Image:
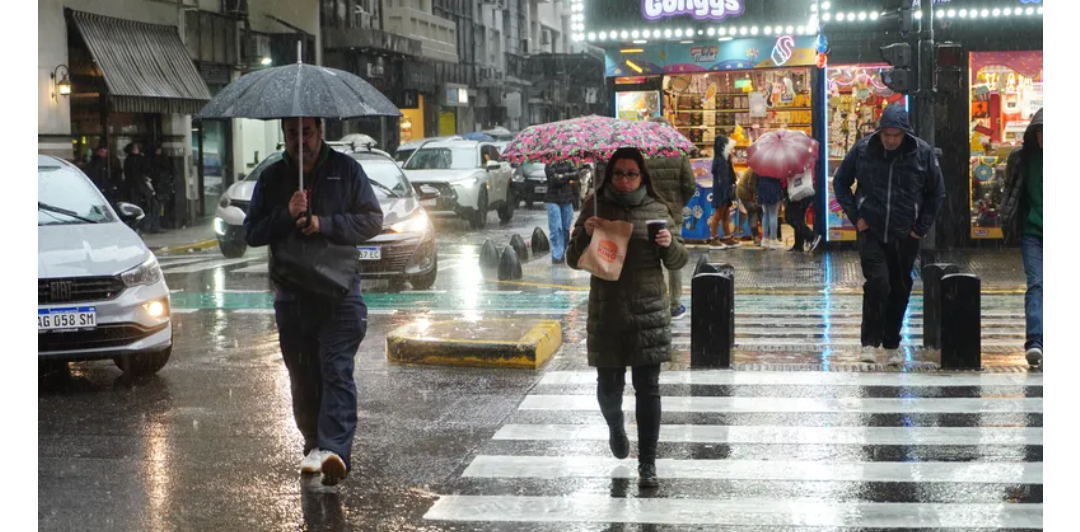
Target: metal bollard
column 509, row 265
column 540, row 243
column 702, row 266
column 931, row 276
column 712, row 320
column 518, row 245
column 961, row 321
column 489, row 256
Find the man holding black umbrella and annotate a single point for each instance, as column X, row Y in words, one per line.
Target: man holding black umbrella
column 319, row 337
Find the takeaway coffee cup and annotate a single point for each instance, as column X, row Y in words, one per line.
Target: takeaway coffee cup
column 654, row 228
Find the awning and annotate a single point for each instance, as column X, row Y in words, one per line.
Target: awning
column 146, row 66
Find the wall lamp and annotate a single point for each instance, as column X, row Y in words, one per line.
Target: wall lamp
column 63, row 87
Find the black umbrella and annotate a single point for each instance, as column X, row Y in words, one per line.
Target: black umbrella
column 298, row 91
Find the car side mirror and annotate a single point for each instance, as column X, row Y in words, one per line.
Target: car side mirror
column 493, row 165
column 129, row 213
column 428, row 193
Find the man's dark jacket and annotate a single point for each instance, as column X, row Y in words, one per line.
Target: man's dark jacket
column 898, row 192
column 559, row 176
column 342, row 198
column 1015, row 172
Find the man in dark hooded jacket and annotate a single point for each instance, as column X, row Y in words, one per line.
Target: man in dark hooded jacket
column 1022, row 214
column 900, row 192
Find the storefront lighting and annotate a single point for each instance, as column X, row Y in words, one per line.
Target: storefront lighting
column 827, row 17
column 1029, row 11
column 603, row 36
column 790, row 29
column 635, row 34
column 984, row 13
column 712, row 31
column 642, row 41
column 963, row 13
column 631, row 50
column 266, row 61
column 768, row 30
column 1040, row 10
column 743, row 30
column 826, row 6
column 862, row 16
column 63, row 85
column 689, row 32
column 686, row 42
column 592, row 35
column 874, row 15
column 678, row 32
column 625, row 35
column 940, row 13
column 839, row 17
column 754, row 30
column 951, row 13
column 667, row 34
column 634, row 66
column 725, row 39
column 918, row 15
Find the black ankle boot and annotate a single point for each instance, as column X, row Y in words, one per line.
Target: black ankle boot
column 617, row 440
column 647, row 478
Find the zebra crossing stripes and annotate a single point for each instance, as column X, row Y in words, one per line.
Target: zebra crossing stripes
column 933, row 454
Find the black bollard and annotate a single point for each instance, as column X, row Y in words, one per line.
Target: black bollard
column 961, row 321
column 540, row 243
column 712, row 320
column 489, row 256
column 509, row 265
column 703, row 266
column 518, row 245
column 931, row 276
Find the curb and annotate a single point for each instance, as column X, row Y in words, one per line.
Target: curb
column 411, row 345
column 184, row 248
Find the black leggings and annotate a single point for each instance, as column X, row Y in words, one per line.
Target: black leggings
column 610, row 383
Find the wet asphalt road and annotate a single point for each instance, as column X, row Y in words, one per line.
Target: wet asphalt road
column 209, row 443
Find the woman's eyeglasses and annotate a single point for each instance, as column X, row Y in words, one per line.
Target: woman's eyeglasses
column 632, row 176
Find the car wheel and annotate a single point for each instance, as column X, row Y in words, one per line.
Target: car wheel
column 143, row 363
column 506, row 212
column 479, row 217
column 232, row 250
column 427, row 280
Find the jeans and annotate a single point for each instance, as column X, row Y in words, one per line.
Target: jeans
column 610, row 383
column 771, row 221
column 795, row 215
column 887, row 268
column 560, row 217
column 319, row 343
column 1032, row 248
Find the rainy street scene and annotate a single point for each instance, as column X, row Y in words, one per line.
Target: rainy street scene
column 540, row 265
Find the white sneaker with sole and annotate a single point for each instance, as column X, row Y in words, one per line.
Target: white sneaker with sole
column 895, row 358
column 1034, row 357
column 312, row 462
column 333, row 469
column 868, row 355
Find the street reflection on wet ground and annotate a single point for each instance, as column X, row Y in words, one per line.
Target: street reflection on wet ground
column 210, row 444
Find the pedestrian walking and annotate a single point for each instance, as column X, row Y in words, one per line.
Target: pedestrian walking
column 795, row 216
column 629, row 323
column 899, row 195
column 162, row 179
column 723, row 192
column 1022, row 213
column 559, row 198
column 139, row 189
column 746, row 191
column 319, row 337
column 769, row 192
column 106, row 174
column 673, row 178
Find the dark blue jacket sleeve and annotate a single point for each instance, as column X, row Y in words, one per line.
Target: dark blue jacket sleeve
column 266, row 223
column 932, row 198
column 842, row 182
column 363, row 217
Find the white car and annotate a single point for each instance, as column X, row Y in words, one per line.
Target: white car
column 101, row 294
column 469, row 177
column 406, row 149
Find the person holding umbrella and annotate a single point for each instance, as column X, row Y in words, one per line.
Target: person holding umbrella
column 900, row 192
column 629, row 320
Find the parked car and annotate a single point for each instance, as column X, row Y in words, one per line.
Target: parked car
column 406, row 150
column 530, row 182
column 404, row 251
column 101, row 294
column 469, row 177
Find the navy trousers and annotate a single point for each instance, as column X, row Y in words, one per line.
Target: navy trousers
column 319, row 343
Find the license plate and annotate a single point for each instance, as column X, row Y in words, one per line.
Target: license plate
column 51, row 319
column 540, row 190
column 429, row 203
column 370, row 253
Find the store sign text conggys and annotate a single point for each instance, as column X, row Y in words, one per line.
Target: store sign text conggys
column 699, row 9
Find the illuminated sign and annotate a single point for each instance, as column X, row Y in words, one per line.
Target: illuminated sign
column 783, row 50
column 698, row 9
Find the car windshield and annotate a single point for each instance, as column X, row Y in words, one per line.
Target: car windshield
column 403, row 155
column 443, row 159
column 386, row 178
column 533, row 168
column 66, row 196
column 269, row 160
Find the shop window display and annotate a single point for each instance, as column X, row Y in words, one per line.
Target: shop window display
column 1006, row 91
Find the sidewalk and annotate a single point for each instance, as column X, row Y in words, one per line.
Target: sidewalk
column 172, row 241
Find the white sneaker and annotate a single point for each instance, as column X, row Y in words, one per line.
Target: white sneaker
column 333, row 469
column 895, row 358
column 778, row 244
column 868, row 355
column 311, row 463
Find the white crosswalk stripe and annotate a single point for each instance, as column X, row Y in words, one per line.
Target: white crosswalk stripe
column 833, row 450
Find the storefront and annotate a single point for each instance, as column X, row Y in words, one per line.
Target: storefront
column 1006, row 92
column 855, row 97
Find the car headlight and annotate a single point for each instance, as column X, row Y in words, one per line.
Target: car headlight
column 416, row 224
column 224, row 202
column 145, row 274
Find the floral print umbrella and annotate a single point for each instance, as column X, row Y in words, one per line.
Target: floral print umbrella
column 594, row 139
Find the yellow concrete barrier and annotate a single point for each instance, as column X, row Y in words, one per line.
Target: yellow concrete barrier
column 525, row 343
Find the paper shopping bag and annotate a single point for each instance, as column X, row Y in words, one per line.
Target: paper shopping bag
column 606, row 253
